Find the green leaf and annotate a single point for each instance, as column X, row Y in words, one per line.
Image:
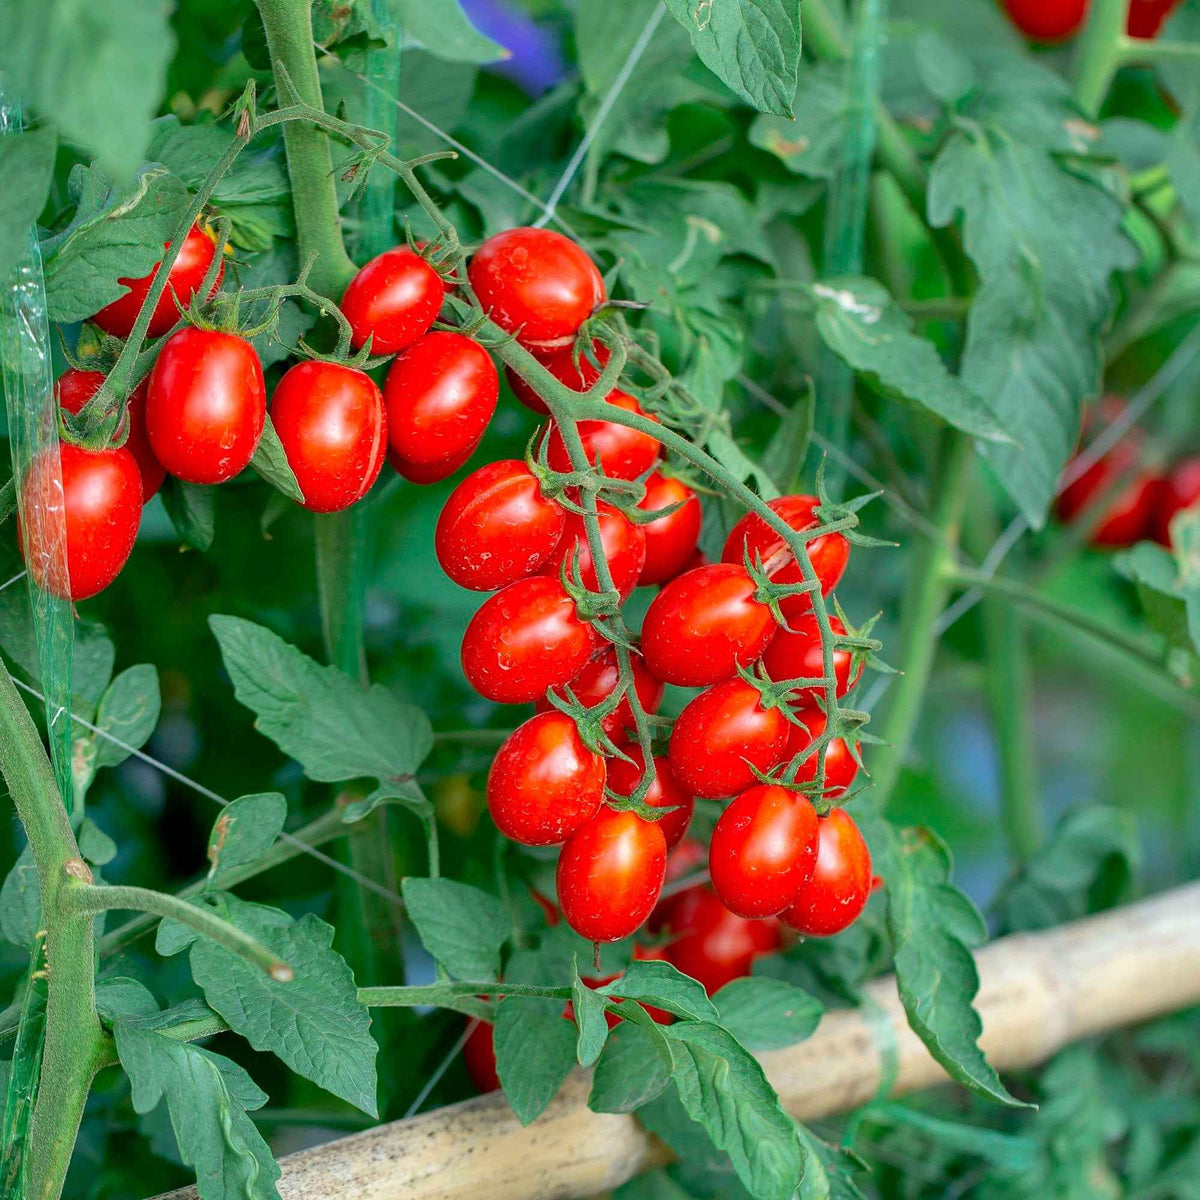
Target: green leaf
column 172, row 937
column 332, row 726
column 119, row 996
column 1154, row 571
column 461, row 926
column 246, row 829
column 654, row 1185
column 94, row 844
column 946, row 72
column 270, row 461
column 21, row 902
column 98, row 71
column 190, row 508
column 661, row 985
column 630, row 1073
column 752, row 46
column 314, row 1023
column 129, row 712
column 207, row 1097
column 117, row 232
column 861, row 323
column 589, row 1010
column 445, row 30
column 811, row 145
column 535, row 1052
column 784, row 456
column 767, row 1014
column 827, row 1169
column 27, row 167
column 189, row 152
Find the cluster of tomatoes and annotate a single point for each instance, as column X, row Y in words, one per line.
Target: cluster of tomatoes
column 1124, row 498
column 1057, row 20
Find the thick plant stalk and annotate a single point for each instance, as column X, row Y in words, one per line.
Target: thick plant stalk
column 1038, row 993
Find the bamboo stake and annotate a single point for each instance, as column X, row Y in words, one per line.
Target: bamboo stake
column 1038, row 992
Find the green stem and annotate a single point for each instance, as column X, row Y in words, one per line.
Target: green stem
column 435, row 993
column 341, row 588
column 1142, row 50
column 1099, row 51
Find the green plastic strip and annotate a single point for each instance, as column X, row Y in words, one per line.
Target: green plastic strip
column 377, row 210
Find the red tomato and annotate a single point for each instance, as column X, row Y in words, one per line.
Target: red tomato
column 497, row 527
column 665, row 792
column 721, row 734
column 1180, row 490
column 1126, row 519
column 562, row 365
column 670, row 540
column 705, row 624
column 536, row 284
column 425, row 473
column 393, row 300
column 610, row 874
column 187, row 274
column 828, row 554
column 479, row 1054
column 617, row 450
column 1146, row 17
column 796, row 654
column 331, row 422
column 1047, row 20
column 440, row 395
column 840, row 885
column 596, row 682
column 206, row 405
column 840, row 767
column 710, row 943
column 75, row 388
column 624, row 549
column 102, row 507
column 544, row 783
column 525, row 639
column 762, row 851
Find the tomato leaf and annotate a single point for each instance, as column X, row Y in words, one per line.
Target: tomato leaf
column 589, row 1014
column 445, row 30
column 270, row 461
column 246, row 829
column 767, row 1014
column 128, row 711
column 21, row 902
column 535, row 1052
column 190, row 508
column 630, row 1073
column 1168, row 581
column 27, row 167
column 94, row 844
column 463, row 927
column 189, row 151
column 810, row 145
column 663, row 986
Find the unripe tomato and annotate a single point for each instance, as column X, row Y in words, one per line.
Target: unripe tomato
column 624, row 550
column 617, row 450
column 600, row 675
column 1146, row 17
column 102, row 507
column 393, row 300
column 610, row 874
column 544, row 783
column 1180, row 490
column 497, row 527
column 1127, row 517
column 763, row 849
column 828, row 554
column 75, row 388
column 665, row 792
column 670, row 540
column 331, row 423
column 536, row 284
column 722, row 734
column 705, row 624
column 796, row 654
column 561, row 363
column 840, row 767
column 525, row 639
column 440, row 395
column 840, row 885
column 187, row 274
column 1047, row 20
column 479, row 1054
column 206, row 405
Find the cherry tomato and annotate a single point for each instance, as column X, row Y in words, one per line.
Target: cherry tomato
column 620, row 452
column 705, row 624
column 796, row 654
column 561, row 364
column 440, row 395
column 624, row 549
column 393, row 300
column 206, row 405
column 102, row 508
column 536, row 284
column 75, row 388
column 670, row 540
column 710, row 943
column 331, row 422
column 763, row 849
column 525, row 639
column 596, row 682
column 187, row 274
column 425, row 473
column 497, row 527
column 828, row 554
column 665, row 792
column 479, row 1054
column 840, row 767
column 544, row 783
column 840, row 885
column 1181, row 490
column 1047, row 20
column 1146, row 17
column 721, row 734
column 610, row 874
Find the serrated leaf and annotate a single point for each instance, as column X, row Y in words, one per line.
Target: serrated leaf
column 332, row 726
column 752, row 46
column 271, row 463
column 630, row 1072
column 861, row 323
column 445, row 30
column 128, row 711
column 590, row 1021
column 314, row 1023
column 189, row 151
column 535, row 1052
column 767, row 1014
column 461, row 926
column 811, row 145
column 246, row 829
column 190, row 508
column 94, row 844
column 119, row 996
column 21, row 902
column 27, row 167
column 661, row 985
